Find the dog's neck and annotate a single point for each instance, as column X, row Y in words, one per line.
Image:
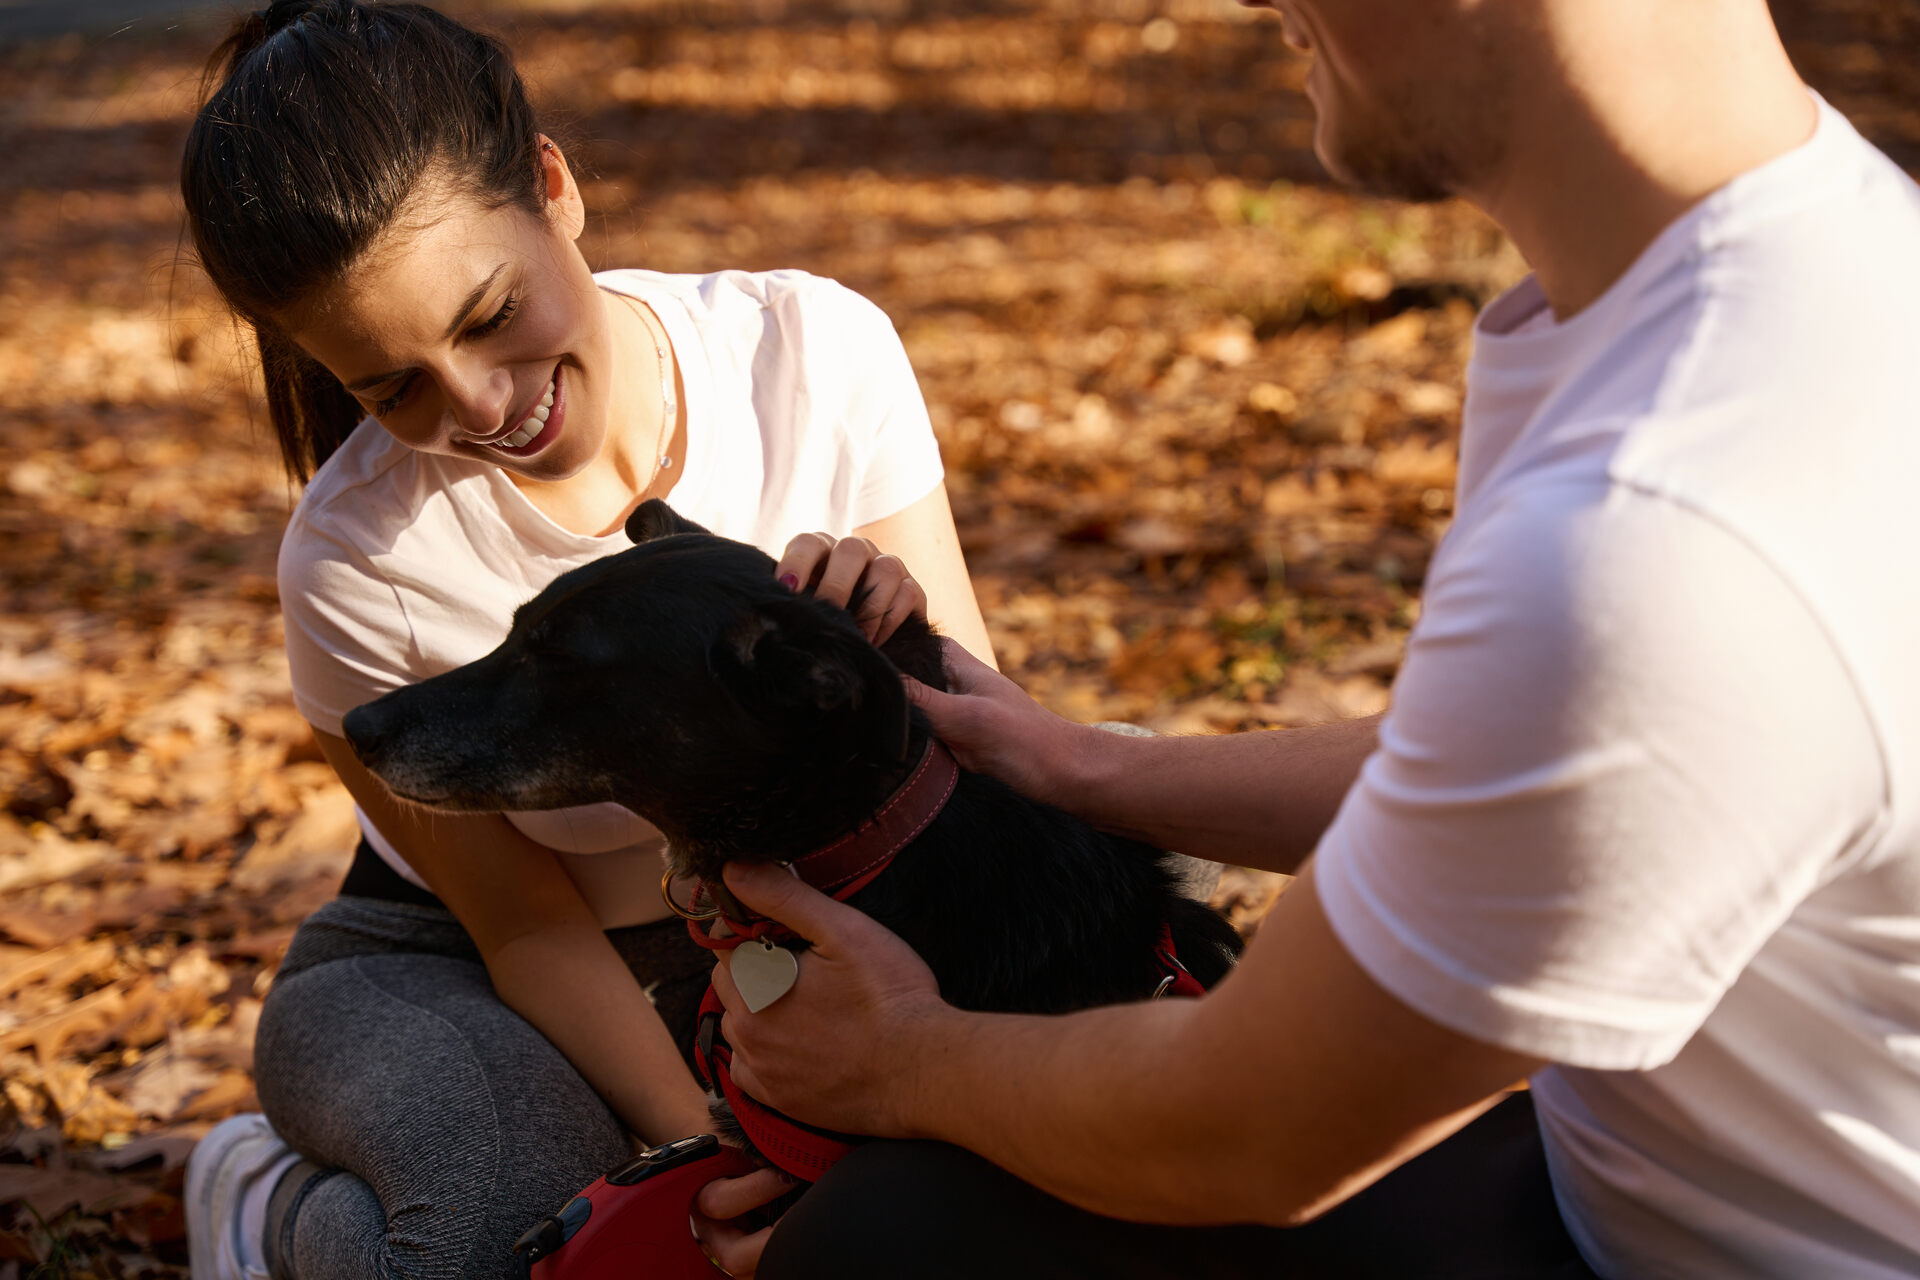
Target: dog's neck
column 805, row 807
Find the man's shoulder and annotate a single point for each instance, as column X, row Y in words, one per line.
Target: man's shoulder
column 1767, row 364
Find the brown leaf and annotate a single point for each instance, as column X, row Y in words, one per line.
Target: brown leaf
column 1228, row 343
column 316, row 845
column 231, row 1093
column 1162, row 662
column 45, row 929
column 52, row 1192
column 16, row 1248
column 163, row 1084
column 1154, row 536
column 159, row 1219
column 58, row 967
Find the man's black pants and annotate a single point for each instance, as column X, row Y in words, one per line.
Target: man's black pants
column 1476, row 1207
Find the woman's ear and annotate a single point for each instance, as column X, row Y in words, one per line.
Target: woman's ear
column 564, row 203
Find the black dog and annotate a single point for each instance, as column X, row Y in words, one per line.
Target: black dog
column 680, row 680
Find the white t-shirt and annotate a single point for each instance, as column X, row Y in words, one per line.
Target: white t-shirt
column 802, row 414
column 1647, row 803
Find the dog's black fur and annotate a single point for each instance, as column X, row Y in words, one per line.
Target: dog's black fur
column 680, row 680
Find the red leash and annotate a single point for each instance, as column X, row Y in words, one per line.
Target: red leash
column 795, row 1148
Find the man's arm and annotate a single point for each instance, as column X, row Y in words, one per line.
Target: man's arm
column 1295, row 1084
column 1257, row 799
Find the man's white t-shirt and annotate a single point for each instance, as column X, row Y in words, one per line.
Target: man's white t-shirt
column 1647, row 803
column 802, row 414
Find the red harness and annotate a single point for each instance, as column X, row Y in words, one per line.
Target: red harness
column 842, row 869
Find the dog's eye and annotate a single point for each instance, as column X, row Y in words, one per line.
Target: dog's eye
column 570, row 647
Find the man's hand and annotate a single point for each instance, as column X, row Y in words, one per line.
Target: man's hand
column 993, row 727
column 837, row 1050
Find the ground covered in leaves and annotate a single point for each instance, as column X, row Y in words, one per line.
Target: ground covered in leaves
column 1198, row 412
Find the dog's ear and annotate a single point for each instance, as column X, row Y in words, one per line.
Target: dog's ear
column 655, row 519
column 792, row 657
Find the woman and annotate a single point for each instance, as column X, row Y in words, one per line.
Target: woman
column 465, row 1036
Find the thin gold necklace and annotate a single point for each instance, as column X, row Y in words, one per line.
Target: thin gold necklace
column 669, row 406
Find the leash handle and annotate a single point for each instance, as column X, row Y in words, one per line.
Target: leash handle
column 635, row 1220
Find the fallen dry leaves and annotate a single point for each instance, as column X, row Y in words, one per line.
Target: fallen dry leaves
column 1198, row 411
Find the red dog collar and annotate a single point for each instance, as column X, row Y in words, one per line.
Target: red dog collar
column 851, row 863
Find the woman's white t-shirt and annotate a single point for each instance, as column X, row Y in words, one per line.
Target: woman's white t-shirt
column 802, row 414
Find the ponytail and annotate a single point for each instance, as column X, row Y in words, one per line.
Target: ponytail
column 322, row 119
column 312, row 414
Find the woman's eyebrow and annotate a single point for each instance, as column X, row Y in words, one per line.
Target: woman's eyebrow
column 459, row 318
column 473, row 300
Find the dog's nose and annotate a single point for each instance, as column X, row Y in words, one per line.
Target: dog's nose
column 365, row 729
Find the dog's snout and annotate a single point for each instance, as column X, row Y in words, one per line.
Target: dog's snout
column 366, row 729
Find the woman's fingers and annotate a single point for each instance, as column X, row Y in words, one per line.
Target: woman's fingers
column 734, row 1249
column 845, row 570
column 725, row 1198
column 852, row 561
column 805, row 556
column 907, row 601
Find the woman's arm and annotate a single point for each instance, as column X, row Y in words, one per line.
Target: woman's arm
column 923, row 537
column 549, row 959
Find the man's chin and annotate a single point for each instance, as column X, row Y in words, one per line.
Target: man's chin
column 1386, row 175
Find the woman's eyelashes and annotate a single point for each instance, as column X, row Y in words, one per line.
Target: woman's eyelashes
column 486, row 328
column 384, row 407
column 498, row 320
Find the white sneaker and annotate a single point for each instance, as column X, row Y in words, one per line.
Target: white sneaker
column 230, row 1177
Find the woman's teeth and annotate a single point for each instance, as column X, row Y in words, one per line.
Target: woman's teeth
column 531, row 427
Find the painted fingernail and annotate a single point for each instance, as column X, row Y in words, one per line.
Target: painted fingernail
column 790, row 582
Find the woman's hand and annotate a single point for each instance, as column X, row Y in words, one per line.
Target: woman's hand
column 733, row 1249
column 838, row 570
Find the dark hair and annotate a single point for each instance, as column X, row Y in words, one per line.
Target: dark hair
column 327, row 115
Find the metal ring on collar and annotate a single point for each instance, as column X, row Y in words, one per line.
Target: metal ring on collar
column 685, row 913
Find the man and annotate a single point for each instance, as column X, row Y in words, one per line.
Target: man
column 1643, row 823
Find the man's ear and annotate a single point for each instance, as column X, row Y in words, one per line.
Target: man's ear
column 791, row 657
column 655, row 519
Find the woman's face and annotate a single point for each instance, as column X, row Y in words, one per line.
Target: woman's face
column 476, row 333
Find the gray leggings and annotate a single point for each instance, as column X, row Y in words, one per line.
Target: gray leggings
column 439, row 1124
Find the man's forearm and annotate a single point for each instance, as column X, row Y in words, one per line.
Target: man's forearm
column 1131, row 1136
column 1257, row 799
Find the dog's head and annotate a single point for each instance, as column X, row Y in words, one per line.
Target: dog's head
column 677, row 678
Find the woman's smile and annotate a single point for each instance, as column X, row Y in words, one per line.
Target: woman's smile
column 537, row 428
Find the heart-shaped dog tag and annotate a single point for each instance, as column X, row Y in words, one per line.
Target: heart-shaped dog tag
column 762, row 972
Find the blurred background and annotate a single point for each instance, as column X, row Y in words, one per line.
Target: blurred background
column 1198, row 411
